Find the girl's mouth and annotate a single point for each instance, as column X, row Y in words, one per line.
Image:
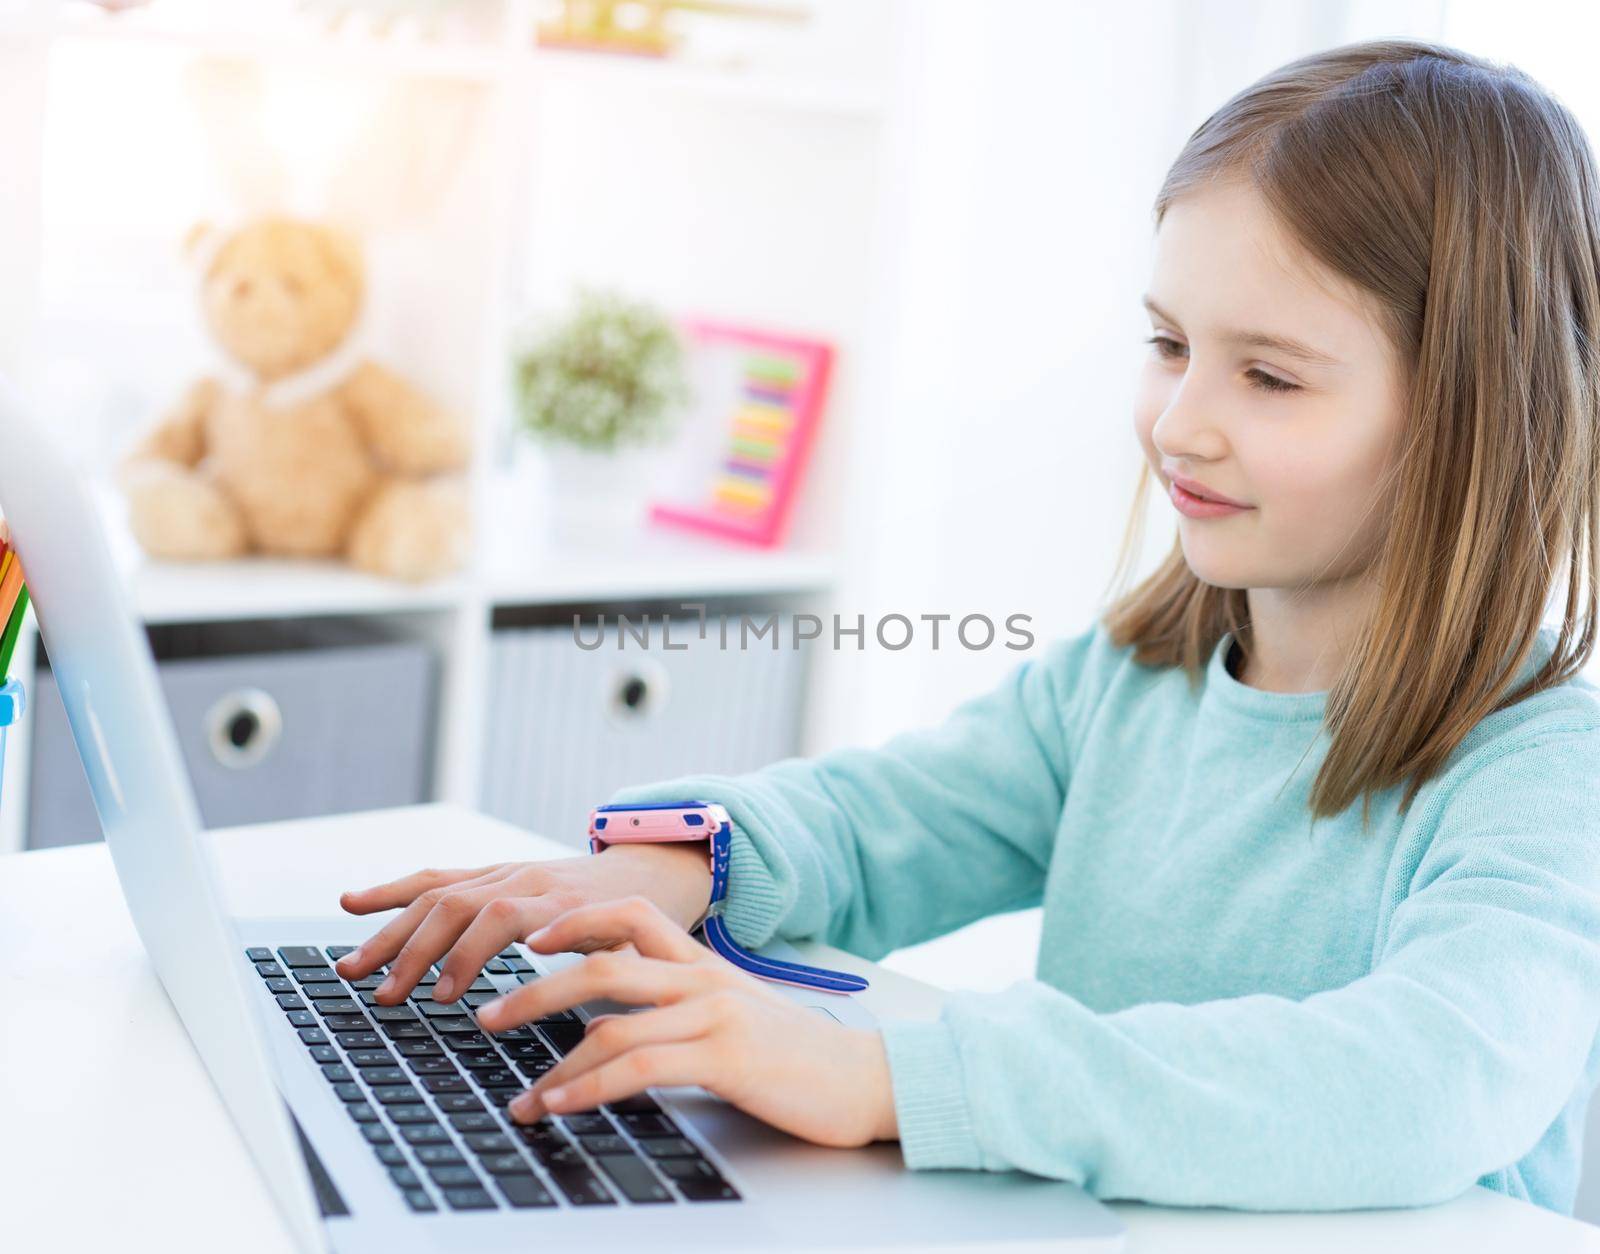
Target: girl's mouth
column 1192, row 506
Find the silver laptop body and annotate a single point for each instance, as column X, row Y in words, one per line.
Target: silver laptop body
column 679, row 1171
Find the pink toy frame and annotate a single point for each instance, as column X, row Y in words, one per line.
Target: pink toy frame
column 765, row 528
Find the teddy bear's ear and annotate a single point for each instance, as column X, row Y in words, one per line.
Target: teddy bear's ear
column 345, row 244
column 196, row 238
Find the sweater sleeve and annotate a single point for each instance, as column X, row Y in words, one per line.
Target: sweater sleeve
column 872, row 849
column 1446, row 1062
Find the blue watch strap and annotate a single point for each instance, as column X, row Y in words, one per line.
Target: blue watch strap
column 714, row 927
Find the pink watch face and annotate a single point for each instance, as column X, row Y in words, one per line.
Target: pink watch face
column 654, row 824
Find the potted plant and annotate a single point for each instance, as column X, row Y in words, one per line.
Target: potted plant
column 601, row 389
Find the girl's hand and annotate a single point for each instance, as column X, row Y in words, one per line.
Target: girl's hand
column 469, row 916
column 711, row 1025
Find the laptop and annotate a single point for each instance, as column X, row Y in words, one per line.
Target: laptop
column 384, row 1128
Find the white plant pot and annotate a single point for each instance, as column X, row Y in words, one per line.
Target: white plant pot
column 597, row 498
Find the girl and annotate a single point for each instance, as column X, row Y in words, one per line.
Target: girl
column 1371, row 397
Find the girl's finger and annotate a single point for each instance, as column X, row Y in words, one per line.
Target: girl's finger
column 676, row 1062
column 635, row 919
column 615, row 974
column 613, row 1035
column 382, row 945
column 404, row 890
column 450, row 916
column 500, row 922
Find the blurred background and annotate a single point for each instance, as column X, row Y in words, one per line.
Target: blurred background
column 812, row 306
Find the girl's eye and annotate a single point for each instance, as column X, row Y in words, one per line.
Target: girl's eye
column 1171, row 350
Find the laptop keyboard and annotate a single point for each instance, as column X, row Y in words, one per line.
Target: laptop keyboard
column 428, row 1090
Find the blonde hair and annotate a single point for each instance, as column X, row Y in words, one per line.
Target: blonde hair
column 1461, row 197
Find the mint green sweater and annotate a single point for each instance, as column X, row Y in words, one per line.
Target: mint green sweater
column 1232, row 1007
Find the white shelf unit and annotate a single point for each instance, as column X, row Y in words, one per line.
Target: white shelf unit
column 747, row 193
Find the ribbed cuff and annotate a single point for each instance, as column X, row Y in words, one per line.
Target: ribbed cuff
column 754, row 906
column 930, row 1099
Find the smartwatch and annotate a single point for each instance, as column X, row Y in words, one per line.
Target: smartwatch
column 676, row 821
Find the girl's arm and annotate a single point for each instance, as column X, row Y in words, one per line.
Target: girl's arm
column 872, row 849
column 1446, row 1063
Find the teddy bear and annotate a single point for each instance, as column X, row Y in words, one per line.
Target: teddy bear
column 311, row 455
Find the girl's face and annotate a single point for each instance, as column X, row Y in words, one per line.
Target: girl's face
column 1270, row 384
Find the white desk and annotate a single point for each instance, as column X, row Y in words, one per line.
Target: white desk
column 127, row 1147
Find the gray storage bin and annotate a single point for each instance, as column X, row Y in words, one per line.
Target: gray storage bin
column 315, row 719
column 567, row 727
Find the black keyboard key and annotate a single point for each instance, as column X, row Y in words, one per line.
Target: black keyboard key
column 462, row 1177
column 554, row 1156
column 517, row 965
column 669, row 1147
column 410, row 1113
column 606, row 1143
column 396, row 1094
column 440, row 1010
column 496, row 967
column 419, row 1201
column 581, row 1186
column 563, row 1036
column 368, row 983
column 405, row 1031
column 688, row 1171
column 643, row 1126
column 385, row 1075
column 313, row 1036
column 460, row 1026
column 434, row 1067
column 338, row 951
column 340, row 1006
column 347, row 1023
column 360, row 1040
column 468, row 1199
column 316, row 975
column 322, row 990
column 394, row 1014
column 639, row 1104
column 505, row 1164
column 257, row 954
column 502, row 1097
column 376, row 1133
column 488, row 1142
column 302, row 956
column 441, row 1085
column 495, row 1078
column 418, row 1049
column 438, row 1155
column 475, row 1000
column 425, row 1134
column 269, row 970
column 335, row 1073
column 349, row 1092
column 526, row 1050
column 477, row 1060
column 524, row 1191
column 326, row 1053
column 302, row 1018
column 475, row 1122
column 531, row 1071
column 405, row 1177
column 633, row 1179
column 391, row 1155
column 365, row 1058
column 510, row 951
column 458, row 1103
column 587, row 1124
column 289, row 1001
column 362, row 1112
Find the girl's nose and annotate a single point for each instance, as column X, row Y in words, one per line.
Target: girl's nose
column 1189, row 427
